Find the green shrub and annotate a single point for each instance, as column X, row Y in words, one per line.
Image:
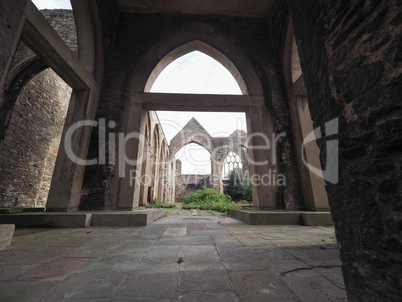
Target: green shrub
column 206, row 196
column 168, row 205
column 210, row 200
column 190, row 206
column 247, row 193
column 238, row 187
column 157, row 205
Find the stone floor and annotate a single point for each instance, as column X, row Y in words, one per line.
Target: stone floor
column 177, row 258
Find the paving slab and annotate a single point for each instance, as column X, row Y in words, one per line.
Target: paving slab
column 151, row 281
column 333, row 274
column 24, row 291
column 184, row 240
column 226, row 296
column 225, row 240
column 55, row 270
column 260, row 285
column 170, row 231
column 314, row 256
column 86, row 286
column 283, row 267
column 177, row 258
column 251, row 258
column 204, row 279
column 315, row 289
column 115, row 262
column 258, row 217
column 164, row 255
column 133, row 246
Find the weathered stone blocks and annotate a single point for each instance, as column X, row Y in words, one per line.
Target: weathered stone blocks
column 6, row 235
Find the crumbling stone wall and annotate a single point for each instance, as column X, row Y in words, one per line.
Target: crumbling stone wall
column 351, row 57
column 34, row 123
column 29, row 149
column 218, row 147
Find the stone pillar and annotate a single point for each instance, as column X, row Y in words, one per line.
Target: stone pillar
column 313, row 185
column 145, row 177
column 172, row 178
column 155, row 163
column 161, row 177
column 131, row 157
column 216, row 175
column 65, row 189
column 148, row 173
column 350, row 54
column 263, row 166
column 12, row 18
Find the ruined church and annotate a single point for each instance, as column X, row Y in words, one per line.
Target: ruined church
column 321, row 89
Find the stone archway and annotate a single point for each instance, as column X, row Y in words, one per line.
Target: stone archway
column 259, row 118
column 14, row 83
column 204, row 48
column 174, row 44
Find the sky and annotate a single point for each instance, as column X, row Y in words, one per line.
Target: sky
column 52, row 4
column 194, row 72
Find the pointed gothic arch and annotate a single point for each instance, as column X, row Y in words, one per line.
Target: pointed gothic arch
column 253, row 101
column 205, row 49
column 209, row 41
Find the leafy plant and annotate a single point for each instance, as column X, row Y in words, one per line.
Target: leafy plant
column 237, row 187
column 206, row 196
column 247, row 193
column 157, row 205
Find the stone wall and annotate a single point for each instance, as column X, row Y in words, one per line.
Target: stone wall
column 29, row 149
column 62, row 20
column 350, row 53
column 32, row 136
column 187, row 183
column 157, row 171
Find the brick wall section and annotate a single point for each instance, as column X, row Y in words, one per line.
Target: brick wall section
column 29, row 149
column 351, row 59
column 62, row 20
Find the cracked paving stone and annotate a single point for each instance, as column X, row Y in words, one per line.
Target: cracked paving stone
column 260, row 286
